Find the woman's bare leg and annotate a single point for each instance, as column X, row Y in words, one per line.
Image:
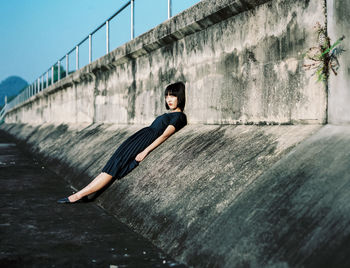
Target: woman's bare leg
column 98, row 183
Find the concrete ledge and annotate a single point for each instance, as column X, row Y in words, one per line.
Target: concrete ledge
column 241, row 62
column 201, row 16
column 220, row 196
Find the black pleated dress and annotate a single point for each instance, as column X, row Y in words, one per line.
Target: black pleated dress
column 123, row 159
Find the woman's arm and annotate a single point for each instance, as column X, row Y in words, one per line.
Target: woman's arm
column 166, row 134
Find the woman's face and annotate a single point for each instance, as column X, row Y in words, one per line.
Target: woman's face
column 171, row 100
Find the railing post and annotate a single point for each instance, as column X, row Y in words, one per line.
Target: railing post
column 67, row 64
column 52, row 71
column 42, row 81
column 5, row 99
column 132, row 19
column 169, row 9
column 107, row 37
column 58, row 70
column 90, row 48
column 38, row 84
column 76, row 58
column 47, row 78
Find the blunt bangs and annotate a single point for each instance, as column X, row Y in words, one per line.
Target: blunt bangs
column 177, row 90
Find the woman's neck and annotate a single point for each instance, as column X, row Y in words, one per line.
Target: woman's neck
column 176, row 110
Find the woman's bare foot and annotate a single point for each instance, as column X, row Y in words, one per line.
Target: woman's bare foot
column 98, row 183
column 73, row 198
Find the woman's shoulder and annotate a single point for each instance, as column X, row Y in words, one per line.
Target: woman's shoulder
column 183, row 116
column 180, row 115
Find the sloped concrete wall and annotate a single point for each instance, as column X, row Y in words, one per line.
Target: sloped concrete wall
column 220, row 196
column 339, row 85
column 176, row 196
column 241, row 62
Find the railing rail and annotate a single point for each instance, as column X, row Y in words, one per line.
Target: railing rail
column 54, row 73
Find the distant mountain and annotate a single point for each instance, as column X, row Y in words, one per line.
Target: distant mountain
column 10, row 87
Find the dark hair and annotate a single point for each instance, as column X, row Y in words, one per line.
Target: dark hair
column 178, row 90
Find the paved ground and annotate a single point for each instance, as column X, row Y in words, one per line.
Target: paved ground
column 35, row 231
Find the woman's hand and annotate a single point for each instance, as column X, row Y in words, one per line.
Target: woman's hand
column 141, row 156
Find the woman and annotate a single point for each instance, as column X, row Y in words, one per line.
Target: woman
column 134, row 150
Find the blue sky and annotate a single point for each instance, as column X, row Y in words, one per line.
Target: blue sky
column 36, row 33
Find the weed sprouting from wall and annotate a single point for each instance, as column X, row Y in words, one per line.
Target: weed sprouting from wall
column 324, row 57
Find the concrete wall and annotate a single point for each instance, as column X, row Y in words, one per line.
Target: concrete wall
column 212, row 195
column 219, row 196
column 339, row 86
column 241, row 62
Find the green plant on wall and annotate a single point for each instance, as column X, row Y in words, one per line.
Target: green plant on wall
column 324, row 57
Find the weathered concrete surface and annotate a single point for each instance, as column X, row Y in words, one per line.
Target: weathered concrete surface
column 220, row 196
column 35, row 231
column 297, row 214
column 241, row 62
column 339, row 86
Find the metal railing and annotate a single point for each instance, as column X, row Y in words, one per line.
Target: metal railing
column 57, row 72
column 3, row 113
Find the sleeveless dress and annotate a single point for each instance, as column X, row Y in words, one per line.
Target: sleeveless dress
column 123, row 159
